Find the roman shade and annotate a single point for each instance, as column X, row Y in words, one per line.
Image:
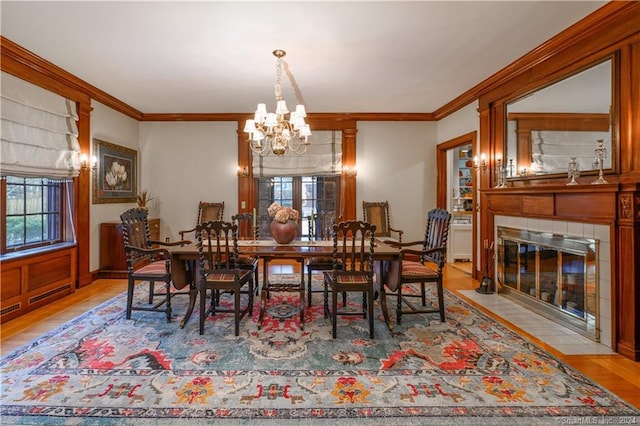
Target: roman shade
column 39, row 131
column 322, row 158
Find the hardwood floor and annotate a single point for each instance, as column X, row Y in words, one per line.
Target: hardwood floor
column 618, row 374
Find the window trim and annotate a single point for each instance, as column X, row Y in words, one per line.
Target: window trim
column 66, row 199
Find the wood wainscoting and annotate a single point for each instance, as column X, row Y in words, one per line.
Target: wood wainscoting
column 29, row 282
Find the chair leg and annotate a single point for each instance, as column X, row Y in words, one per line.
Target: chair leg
column 441, row 301
column 344, row 298
column 370, row 306
column 152, row 290
column 130, row 287
column 399, row 306
column 334, row 312
column 326, row 299
column 365, row 308
column 423, row 294
column 236, row 310
column 256, row 283
column 309, row 271
column 203, row 304
column 167, row 286
column 383, row 306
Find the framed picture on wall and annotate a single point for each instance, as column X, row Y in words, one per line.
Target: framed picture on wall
column 116, row 177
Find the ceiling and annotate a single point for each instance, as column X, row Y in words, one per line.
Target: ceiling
column 216, row 57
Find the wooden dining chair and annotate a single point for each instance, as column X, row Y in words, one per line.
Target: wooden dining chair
column 353, row 249
column 147, row 260
column 220, row 273
column 207, row 211
column 244, row 221
column 427, row 268
column 320, row 229
column 377, row 213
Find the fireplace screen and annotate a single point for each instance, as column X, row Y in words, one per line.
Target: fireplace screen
column 556, row 276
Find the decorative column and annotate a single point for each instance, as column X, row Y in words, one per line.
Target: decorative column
column 627, row 266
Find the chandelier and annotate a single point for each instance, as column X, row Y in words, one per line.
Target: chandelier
column 277, row 131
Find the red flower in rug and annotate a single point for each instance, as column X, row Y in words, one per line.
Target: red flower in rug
column 347, row 381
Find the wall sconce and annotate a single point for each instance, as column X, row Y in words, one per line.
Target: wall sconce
column 350, row 172
column 243, row 172
column 480, row 164
column 85, row 164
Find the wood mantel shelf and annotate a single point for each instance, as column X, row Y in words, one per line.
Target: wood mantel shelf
column 589, row 203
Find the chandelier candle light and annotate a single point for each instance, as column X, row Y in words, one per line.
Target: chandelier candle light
column 276, row 131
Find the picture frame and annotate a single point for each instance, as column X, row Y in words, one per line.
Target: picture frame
column 116, row 175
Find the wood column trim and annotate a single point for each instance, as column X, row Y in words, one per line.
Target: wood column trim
column 246, row 191
column 626, row 293
column 83, row 199
column 348, row 190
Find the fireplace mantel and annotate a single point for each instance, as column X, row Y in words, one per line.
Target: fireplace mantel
column 616, row 205
column 584, row 203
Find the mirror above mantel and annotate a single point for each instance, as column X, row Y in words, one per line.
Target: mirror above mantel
column 548, row 127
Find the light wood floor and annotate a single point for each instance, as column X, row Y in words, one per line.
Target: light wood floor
column 618, row 374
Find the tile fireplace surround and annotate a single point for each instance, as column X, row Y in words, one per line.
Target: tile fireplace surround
column 601, row 233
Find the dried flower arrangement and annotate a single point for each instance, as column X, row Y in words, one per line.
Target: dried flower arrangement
column 143, row 198
column 283, row 214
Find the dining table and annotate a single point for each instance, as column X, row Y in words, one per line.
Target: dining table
column 184, row 270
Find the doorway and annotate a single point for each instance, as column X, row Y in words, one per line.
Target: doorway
column 456, row 193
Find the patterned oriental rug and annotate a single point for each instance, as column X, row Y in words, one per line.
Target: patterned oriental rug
column 101, row 369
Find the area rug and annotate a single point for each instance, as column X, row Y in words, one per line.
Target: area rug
column 105, row 370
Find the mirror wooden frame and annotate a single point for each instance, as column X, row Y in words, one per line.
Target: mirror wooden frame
column 568, row 121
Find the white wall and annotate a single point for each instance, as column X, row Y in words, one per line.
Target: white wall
column 110, row 126
column 183, row 163
column 396, row 162
column 461, row 122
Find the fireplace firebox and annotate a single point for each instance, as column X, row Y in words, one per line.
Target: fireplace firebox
column 553, row 275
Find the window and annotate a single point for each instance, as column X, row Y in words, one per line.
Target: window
column 305, row 194
column 33, row 211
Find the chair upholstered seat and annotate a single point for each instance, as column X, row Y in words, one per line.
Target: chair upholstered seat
column 158, row 267
column 347, row 279
column 324, row 260
column 246, row 260
column 228, row 277
column 411, row 269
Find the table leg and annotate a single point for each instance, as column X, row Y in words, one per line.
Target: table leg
column 302, row 298
column 264, row 293
column 193, row 291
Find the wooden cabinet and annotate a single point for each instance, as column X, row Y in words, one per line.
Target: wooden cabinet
column 113, row 263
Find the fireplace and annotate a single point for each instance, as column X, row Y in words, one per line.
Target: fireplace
column 554, row 275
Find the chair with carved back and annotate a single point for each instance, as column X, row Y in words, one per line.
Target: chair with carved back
column 207, row 211
column 244, row 221
column 353, row 249
column 377, row 213
column 320, row 228
column 423, row 266
column 220, row 273
column 147, row 260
